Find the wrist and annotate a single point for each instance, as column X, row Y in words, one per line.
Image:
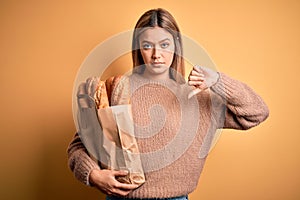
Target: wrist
column 216, row 78
column 92, row 177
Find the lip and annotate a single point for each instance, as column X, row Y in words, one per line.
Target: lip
column 157, row 63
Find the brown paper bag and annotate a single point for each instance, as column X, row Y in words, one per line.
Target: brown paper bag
column 107, row 132
column 119, row 148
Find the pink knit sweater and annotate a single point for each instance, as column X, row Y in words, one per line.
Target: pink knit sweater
column 174, row 133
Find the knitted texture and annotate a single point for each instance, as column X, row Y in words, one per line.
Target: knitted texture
column 79, row 161
column 174, row 133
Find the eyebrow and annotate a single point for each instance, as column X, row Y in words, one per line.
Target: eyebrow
column 159, row 41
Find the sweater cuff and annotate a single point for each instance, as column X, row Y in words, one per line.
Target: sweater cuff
column 225, row 87
column 84, row 169
column 88, row 175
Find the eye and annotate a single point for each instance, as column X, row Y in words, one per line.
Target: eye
column 147, row 46
column 164, row 45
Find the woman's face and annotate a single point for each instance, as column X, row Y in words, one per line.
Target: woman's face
column 157, row 49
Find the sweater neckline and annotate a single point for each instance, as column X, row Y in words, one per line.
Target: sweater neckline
column 140, row 79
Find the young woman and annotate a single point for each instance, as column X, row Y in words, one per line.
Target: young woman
column 174, row 122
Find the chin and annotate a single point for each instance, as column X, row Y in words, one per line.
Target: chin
column 158, row 70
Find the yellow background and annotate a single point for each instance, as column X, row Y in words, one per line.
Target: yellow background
column 43, row 43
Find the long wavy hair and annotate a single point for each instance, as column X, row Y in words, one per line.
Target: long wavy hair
column 161, row 18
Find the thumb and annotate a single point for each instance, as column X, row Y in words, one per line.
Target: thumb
column 194, row 92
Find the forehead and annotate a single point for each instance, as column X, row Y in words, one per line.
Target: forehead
column 155, row 34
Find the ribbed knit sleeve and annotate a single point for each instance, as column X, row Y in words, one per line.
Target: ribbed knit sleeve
column 245, row 109
column 79, row 161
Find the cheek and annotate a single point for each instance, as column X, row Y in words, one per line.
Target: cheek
column 169, row 54
column 146, row 56
column 169, row 57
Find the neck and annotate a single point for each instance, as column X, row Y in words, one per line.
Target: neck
column 158, row 77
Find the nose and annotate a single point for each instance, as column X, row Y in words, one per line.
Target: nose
column 156, row 53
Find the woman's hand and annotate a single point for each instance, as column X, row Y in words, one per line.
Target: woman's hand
column 201, row 78
column 105, row 180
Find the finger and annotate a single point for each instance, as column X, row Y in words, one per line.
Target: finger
column 125, row 186
column 120, row 173
column 196, row 78
column 198, row 68
column 196, row 73
column 195, row 83
column 118, row 192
